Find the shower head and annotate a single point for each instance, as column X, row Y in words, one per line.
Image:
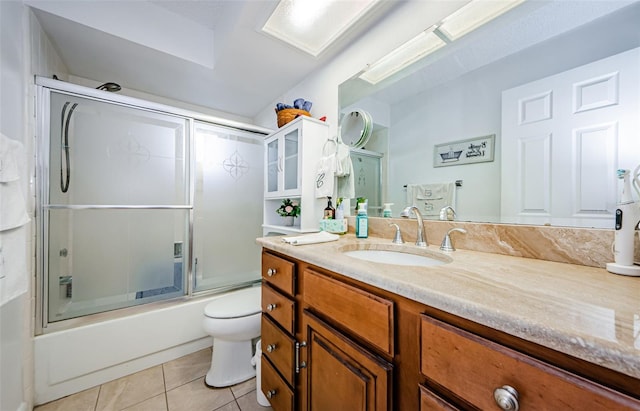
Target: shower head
column 112, row 87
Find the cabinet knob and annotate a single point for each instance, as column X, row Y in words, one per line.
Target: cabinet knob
column 271, row 272
column 271, row 394
column 507, row 398
column 271, row 307
column 271, row 348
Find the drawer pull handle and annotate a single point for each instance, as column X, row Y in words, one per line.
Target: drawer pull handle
column 271, row 348
column 272, row 307
column 299, row 364
column 271, row 272
column 271, row 394
column 507, row 398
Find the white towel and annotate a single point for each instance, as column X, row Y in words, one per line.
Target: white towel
column 10, row 153
column 321, row 237
column 326, row 170
column 13, row 207
column 14, row 279
column 431, row 198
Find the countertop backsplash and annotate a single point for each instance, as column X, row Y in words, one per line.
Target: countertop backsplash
column 582, row 246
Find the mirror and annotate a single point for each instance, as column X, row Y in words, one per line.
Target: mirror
column 355, row 128
column 453, row 98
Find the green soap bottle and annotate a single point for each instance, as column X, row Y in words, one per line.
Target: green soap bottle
column 362, row 223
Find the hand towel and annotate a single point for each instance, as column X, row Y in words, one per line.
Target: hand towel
column 321, row 237
column 346, row 184
column 326, row 170
column 13, row 207
column 10, row 153
column 14, row 279
column 345, row 179
column 431, row 198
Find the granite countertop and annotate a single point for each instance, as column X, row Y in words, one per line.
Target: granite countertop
column 582, row 311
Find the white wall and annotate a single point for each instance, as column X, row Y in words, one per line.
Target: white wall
column 461, row 109
column 15, row 342
column 24, row 51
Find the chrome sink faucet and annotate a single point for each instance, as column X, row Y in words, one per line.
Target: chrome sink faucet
column 421, row 239
column 446, row 241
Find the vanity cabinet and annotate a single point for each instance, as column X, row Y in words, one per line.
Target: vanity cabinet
column 320, row 350
column 488, row 376
column 291, row 158
column 340, row 344
column 278, row 330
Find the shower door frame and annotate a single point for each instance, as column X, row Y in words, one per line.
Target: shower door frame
column 44, row 88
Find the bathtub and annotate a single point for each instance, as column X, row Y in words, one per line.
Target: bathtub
column 72, row 360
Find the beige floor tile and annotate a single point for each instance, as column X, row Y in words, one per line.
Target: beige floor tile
column 130, row 390
column 249, row 402
column 82, row 401
column 195, row 396
column 232, row 406
column 241, row 389
column 157, row 403
column 186, row 369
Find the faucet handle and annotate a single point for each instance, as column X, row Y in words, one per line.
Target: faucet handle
column 446, row 241
column 447, row 213
column 398, row 237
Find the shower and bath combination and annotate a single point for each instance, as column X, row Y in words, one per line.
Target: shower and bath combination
column 128, row 227
column 65, row 165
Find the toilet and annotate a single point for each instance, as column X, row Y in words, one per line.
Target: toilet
column 233, row 320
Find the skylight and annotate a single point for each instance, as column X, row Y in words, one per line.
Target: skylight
column 313, row 25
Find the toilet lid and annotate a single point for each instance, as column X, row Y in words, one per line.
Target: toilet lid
column 240, row 303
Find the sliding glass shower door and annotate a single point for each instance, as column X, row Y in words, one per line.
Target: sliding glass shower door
column 116, row 206
column 227, row 206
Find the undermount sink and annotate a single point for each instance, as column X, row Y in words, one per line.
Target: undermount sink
column 398, row 255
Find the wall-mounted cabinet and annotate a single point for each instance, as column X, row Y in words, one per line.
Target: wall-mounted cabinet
column 291, row 157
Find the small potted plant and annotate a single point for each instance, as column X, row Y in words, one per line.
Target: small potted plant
column 288, row 210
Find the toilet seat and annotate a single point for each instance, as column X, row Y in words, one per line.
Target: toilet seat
column 241, row 303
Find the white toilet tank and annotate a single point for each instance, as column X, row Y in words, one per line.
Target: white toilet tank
column 239, row 303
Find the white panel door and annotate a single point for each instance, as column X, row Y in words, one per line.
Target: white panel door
column 564, row 137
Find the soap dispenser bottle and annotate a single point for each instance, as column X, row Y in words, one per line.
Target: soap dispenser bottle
column 386, row 212
column 362, row 222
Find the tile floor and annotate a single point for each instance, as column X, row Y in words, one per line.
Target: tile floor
column 173, row 386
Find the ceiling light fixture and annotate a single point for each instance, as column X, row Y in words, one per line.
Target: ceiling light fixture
column 313, row 25
column 463, row 21
column 413, row 50
column 474, row 15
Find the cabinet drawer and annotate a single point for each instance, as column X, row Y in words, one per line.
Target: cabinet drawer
column 278, row 347
column 279, row 307
column 429, row 401
column 361, row 313
column 278, row 272
column 472, row 368
column 273, row 386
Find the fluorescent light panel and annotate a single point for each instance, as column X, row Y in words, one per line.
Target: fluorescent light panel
column 413, row 50
column 461, row 22
column 474, row 15
column 312, row 25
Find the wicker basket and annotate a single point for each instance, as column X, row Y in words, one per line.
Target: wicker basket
column 289, row 114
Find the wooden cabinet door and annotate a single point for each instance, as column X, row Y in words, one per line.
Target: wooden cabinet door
column 339, row 374
column 430, row 401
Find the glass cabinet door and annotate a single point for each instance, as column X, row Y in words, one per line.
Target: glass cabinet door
column 291, row 160
column 272, row 166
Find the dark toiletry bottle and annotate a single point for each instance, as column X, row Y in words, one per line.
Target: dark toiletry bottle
column 329, row 211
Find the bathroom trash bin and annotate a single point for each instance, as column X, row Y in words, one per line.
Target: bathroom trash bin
column 262, row 400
